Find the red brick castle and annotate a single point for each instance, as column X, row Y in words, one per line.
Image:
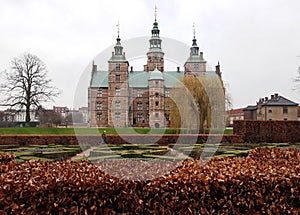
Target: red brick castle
column 121, row 97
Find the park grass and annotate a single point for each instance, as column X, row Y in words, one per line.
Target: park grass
column 43, row 131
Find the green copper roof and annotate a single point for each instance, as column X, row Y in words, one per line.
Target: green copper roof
column 154, row 50
column 140, row 78
column 156, row 75
column 99, row 78
column 195, row 59
column 172, row 78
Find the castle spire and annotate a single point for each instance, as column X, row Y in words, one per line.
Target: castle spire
column 194, row 39
column 194, row 31
column 118, row 30
column 155, row 30
column 155, row 41
column 155, row 13
column 118, row 54
column 155, row 54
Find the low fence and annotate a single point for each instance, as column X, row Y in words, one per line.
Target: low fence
column 267, row 131
column 24, row 140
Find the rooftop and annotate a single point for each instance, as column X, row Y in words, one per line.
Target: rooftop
column 140, row 78
column 276, row 100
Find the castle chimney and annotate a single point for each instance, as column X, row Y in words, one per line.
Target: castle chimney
column 201, row 56
column 276, row 95
column 94, row 68
column 178, row 69
column 272, row 96
column 131, row 69
column 218, row 71
column 266, row 98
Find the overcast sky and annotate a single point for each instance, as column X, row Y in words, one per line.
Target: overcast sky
column 257, row 42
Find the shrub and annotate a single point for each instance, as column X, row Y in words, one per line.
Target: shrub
column 265, row 182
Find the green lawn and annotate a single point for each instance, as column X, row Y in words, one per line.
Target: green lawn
column 66, row 131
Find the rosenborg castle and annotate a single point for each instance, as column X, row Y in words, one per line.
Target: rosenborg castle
column 121, row 97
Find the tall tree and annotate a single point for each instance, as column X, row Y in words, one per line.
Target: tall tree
column 27, row 85
column 198, row 104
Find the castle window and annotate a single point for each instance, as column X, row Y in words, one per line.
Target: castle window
column 140, row 117
column 156, row 95
column 117, row 67
column 156, row 114
column 167, row 116
column 148, row 116
column 118, row 91
column 147, row 105
column 196, row 67
column 99, row 93
column 99, row 106
column 270, row 111
column 117, row 116
column 140, row 106
column 156, row 84
column 167, row 93
column 139, row 93
column 156, row 103
column 118, row 78
column 99, row 116
column 285, row 110
column 118, row 105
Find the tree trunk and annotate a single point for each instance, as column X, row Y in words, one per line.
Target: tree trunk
column 27, row 116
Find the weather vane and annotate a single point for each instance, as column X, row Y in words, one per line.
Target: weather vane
column 155, row 12
column 194, row 31
column 118, row 27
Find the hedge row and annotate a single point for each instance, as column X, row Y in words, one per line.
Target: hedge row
column 90, row 140
column 265, row 182
column 268, row 131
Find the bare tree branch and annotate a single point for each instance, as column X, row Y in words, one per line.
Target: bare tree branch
column 26, row 85
column 297, row 80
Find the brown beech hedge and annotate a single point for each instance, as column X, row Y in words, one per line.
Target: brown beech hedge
column 265, row 182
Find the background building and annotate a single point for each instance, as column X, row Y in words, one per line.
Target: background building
column 275, row 108
column 234, row 114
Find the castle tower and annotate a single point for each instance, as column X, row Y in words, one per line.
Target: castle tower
column 118, row 87
column 156, row 99
column 195, row 64
column 155, row 55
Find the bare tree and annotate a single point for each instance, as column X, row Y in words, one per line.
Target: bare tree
column 27, row 85
column 297, row 80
